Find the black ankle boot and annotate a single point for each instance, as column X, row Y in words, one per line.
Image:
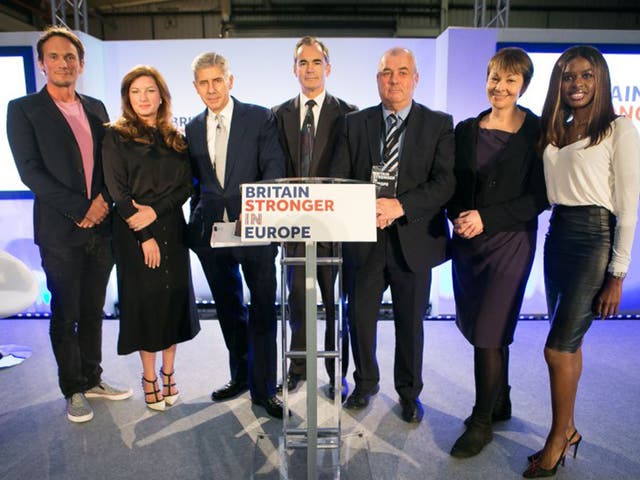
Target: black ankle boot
column 478, row 434
column 501, row 409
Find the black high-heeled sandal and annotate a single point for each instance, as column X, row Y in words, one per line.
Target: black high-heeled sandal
column 536, row 471
column 572, row 443
column 158, row 403
column 169, row 384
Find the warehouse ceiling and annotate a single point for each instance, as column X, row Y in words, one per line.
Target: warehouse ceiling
column 148, row 19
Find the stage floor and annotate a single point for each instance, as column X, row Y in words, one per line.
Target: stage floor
column 199, row 439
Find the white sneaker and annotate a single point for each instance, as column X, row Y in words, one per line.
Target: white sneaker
column 78, row 408
column 106, row 391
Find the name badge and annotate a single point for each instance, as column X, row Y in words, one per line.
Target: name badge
column 386, row 182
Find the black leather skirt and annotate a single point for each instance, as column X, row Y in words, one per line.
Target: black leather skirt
column 577, row 250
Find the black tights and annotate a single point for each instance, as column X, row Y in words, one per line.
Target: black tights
column 492, row 378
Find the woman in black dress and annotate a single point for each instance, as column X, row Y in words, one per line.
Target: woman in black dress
column 148, row 175
column 500, row 192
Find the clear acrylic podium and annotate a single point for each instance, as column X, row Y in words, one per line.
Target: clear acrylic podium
column 327, row 210
column 313, row 436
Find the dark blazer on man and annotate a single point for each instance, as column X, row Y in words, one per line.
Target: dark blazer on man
column 253, row 154
column 405, row 251
column 50, row 164
column 425, row 178
column 330, row 125
column 511, row 195
column 77, row 261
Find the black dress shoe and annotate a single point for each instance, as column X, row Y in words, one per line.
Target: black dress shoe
column 230, row 390
column 344, row 391
column 359, row 399
column 293, row 379
column 412, row 410
column 273, row 406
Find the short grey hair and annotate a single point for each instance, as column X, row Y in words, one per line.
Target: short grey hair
column 211, row 59
column 392, row 52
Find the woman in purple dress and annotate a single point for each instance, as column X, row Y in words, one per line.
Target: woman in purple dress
column 500, row 192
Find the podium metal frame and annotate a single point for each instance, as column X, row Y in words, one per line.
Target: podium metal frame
column 313, row 437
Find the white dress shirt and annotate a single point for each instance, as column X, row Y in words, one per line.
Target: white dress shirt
column 225, row 115
column 316, row 108
column 606, row 175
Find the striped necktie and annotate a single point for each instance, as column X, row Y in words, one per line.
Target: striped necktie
column 391, row 145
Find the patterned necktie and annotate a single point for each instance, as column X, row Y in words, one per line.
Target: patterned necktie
column 307, row 134
column 391, row 145
column 220, row 149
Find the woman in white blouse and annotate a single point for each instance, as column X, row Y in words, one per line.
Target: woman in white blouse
column 592, row 171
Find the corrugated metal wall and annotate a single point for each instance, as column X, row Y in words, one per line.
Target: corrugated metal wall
column 162, row 19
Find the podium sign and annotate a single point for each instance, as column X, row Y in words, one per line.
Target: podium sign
column 303, row 212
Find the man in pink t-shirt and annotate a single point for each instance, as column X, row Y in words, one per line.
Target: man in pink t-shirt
column 55, row 136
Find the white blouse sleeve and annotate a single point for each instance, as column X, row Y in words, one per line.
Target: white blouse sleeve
column 625, row 165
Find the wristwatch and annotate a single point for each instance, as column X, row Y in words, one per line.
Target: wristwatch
column 618, row 275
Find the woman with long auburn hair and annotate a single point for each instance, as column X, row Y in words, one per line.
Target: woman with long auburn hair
column 148, row 175
column 592, row 171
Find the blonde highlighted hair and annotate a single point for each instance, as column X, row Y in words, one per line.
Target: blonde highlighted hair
column 556, row 115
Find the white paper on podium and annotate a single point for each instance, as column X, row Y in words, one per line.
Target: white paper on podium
column 223, row 234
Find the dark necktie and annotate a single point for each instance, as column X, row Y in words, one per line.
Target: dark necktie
column 391, row 145
column 307, row 134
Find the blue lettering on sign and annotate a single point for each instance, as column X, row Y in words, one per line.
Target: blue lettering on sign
column 276, row 191
column 628, row 93
column 295, row 232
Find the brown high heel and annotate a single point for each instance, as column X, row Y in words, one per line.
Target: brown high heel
column 574, row 441
column 169, row 384
column 158, row 403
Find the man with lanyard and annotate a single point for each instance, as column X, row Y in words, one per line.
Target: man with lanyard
column 408, row 150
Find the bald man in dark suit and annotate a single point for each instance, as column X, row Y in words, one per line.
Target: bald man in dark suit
column 414, row 147
column 322, row 115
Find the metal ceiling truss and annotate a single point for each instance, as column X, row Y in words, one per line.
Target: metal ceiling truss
column 60, row 8
column 500, row 20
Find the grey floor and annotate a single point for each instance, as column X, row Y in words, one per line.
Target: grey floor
column 198, row 439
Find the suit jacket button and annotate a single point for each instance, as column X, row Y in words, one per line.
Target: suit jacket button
column 492, row 184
